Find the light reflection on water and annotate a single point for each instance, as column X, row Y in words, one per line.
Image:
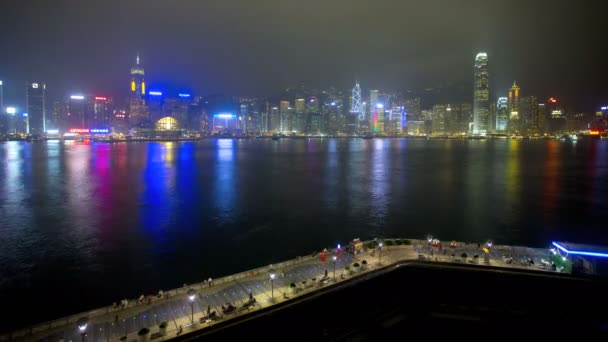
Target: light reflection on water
column 156, row 215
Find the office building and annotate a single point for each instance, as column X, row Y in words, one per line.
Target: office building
column 514, row 110
column 481, row 94
column 502, row 114
column 35, row 105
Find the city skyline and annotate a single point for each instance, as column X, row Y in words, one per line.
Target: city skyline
column 254, row 55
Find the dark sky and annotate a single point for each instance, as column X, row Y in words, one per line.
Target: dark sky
column 257, row 47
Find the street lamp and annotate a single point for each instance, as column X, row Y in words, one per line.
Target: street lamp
column 380, row 253
column 334, row 259
column 82, row 326
column 489, row 243
column 191, row 297
column 272, row 275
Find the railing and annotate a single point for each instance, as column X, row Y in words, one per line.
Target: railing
column 71, row 320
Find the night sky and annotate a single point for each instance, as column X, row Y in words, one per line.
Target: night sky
column 254, row 47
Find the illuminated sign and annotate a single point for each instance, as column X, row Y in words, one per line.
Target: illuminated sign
column 25, row 115
column 11, row 110
column 100, row 98
column 1, row 82
column 183, row 95
column 379, row 105
column 604, row 108
column 79, row 130
column 224, row 116
column 589, row 253
column 52, row 131
column 100, row 130
column 77, row 97
column 155, row 93
column 35, row 85
column 69, row 134
column 594, row 133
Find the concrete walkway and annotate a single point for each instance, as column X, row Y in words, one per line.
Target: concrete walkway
column 176, row 310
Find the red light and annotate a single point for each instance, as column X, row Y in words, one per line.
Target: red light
column 100, row 98
column 553, row 100
column 79, row 130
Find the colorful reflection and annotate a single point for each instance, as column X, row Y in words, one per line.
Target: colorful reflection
column 225, row 179
column 551, row 172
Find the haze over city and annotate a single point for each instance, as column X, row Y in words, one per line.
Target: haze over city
column 552, row 48
column 221, row 169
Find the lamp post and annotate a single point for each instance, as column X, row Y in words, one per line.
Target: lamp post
column 334, row 260
column 429, row 238
column 82, row 326
column 191, row 297
column 380, row 253
column 272, row 275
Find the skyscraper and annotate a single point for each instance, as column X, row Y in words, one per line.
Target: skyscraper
column 373, row 97
column 275, row 123
column 355, row 107
column 138, row 85
column 502, row 113
column 138, row 112
column 36, row 113
column 514, row 118
column 530, row 114
column 412, row 109
column 481, row 94
column 3, row 115
column 439, row 118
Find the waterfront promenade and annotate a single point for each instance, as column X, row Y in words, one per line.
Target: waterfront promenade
column 183, row 308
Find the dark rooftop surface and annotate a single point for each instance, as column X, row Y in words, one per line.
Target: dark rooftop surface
column 434, row 300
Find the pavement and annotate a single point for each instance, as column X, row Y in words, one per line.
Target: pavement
column 176, row 310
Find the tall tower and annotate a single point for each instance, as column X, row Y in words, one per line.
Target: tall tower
column 502, row 114
column 138, row 85
column 138, row 112
column 481, row 94
column 355, row 107
column 514, row 117
column 36, row 111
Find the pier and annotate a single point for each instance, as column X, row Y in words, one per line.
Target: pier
column 200, row 306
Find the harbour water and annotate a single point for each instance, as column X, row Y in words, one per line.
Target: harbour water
column 86, row 224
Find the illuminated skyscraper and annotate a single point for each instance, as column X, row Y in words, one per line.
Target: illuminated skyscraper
column 138, row 112
column 514, row 118
column 378, row 118
column 530, row 114
column 138, row 85
column 412, row 108
column 502, row 114
column 275, row 119
column 439, row 118
column 355, row 107
column 36, row 112
column 373, row 97
column 481, row 94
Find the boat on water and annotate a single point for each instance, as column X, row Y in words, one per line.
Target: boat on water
column 368, row 136
column 276, row 137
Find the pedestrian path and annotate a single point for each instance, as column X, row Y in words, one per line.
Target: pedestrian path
column 291, row 279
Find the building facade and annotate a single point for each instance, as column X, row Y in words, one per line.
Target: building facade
column 481, row 94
